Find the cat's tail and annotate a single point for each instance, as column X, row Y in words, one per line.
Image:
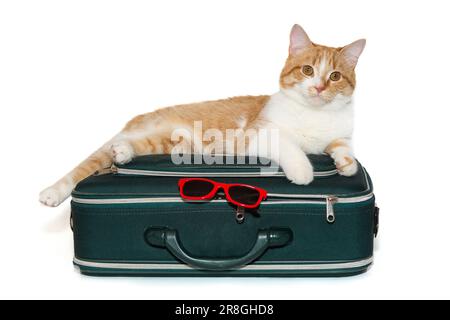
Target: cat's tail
column 56, row 194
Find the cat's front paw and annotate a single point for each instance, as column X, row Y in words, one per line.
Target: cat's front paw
column 301, row 174
column 122, row 152
column 50, row 197
column 346, row 166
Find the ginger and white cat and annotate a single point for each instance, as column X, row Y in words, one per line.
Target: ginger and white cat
column 313, row 112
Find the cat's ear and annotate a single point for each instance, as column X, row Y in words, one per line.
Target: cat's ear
column 299, row 40
column 352, row 52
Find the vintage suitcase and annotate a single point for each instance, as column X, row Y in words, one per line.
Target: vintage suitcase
column 131, row 221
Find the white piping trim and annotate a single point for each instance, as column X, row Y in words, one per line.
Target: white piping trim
column 355, row 199
column 176, row 200
column 212, row 174
column 129, row 200
column 254, row 267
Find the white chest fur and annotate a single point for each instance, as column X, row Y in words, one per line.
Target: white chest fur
column 312, row 128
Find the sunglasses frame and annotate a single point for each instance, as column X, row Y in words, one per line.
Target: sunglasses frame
column 225, row 187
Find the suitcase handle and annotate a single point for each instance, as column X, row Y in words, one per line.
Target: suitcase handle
column 167, row 238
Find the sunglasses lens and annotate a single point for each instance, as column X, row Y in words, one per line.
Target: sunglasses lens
column 244, row 195
column 197, row 188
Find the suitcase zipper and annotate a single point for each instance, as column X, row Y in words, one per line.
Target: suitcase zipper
column 329, row 201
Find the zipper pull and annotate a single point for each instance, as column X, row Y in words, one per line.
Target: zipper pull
column 331, row 200
column 240, row 215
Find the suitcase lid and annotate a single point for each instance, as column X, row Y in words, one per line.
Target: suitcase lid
column 156, row 176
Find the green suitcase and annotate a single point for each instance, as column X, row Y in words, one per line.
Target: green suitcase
column 131, row 221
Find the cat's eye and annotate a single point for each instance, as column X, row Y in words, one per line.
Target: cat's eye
column 308, row 70
column 335, row 76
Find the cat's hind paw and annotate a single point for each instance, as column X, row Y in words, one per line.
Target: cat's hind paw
column 50, row 197
column 122, row 152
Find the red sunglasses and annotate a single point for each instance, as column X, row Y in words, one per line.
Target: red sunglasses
column 241, row 195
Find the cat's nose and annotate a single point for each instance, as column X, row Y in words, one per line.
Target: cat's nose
column 319, row 88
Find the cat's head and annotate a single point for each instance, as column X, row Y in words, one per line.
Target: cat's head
column 319, row 76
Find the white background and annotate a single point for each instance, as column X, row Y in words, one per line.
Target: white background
column 73, row 72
